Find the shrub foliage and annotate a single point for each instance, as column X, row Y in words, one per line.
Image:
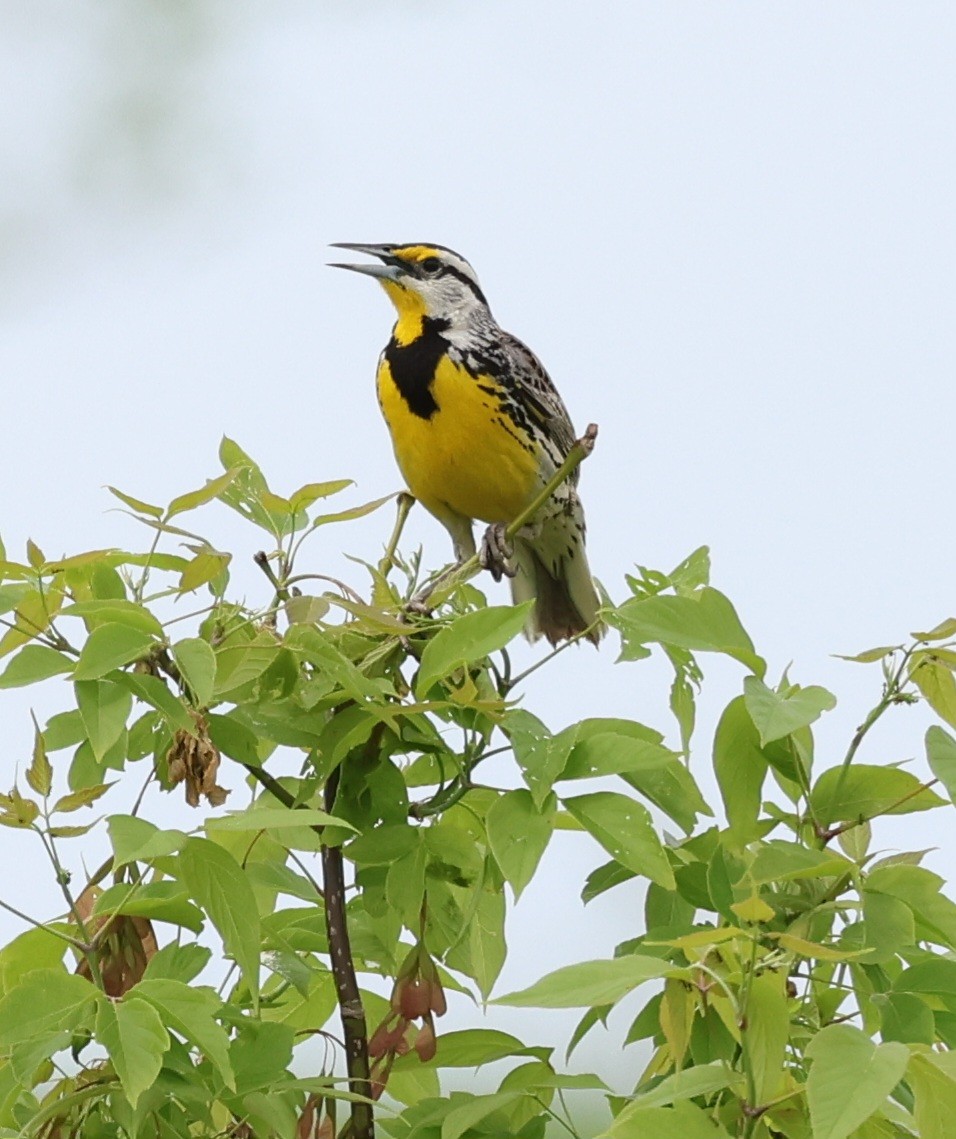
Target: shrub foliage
column 210, row 982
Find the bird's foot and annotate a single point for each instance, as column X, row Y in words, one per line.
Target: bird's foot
column 497, row 551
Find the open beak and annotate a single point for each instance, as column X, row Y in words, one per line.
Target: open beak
column 390, row 269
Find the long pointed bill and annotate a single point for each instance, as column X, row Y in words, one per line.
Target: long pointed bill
column 390, row 270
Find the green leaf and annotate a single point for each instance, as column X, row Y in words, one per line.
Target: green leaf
column 137, row 504
column 777, row 860
column 935, row 681
column 683, row 1121
column 237, row 664
column 703, row 1080
column 941, row 753
column 132, row 1033
column 35, row 949
column 481, row 954
column 777, row 714
column 65, row 729
column 469, row 638
column 45, row 1000
column 867, row 791
column 260, row 1054
column 851, row 1078
column 905, row 1017
column 869, row 656
column 159, row 901
column 34, row 613
column 647, row 766
column 197, row 663
column 33, row 663
column 383, row 845
column 217, row 882
column 234, row 738
column 889, row 926
column 353, row 512
column 303, row 498
column 105, row 707
column 136, row 840
column 194, row 498
column 17, row 811
column 741, row 769
column 919, row 888
column 705, row 621
column 767, row 1032
column 191, row 1012
column 935, row 1092
column 936, row 976
column 40, row 773
column 590, row 983
column 245, row 494
column 274, row 818
column 206, row 566
column 81, row 798
column 540, row 756
column 153, row 691
column 944, row 631
column 472, row 1047
column 178, row 962
column 108, row 647
column 518, row 834
column 625, row 830
column 117, row 612
column 317, row 648
column 477, row 1108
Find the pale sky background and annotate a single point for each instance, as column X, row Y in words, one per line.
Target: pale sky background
column 726, row 228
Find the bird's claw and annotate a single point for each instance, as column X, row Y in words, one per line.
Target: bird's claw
column 497, row 551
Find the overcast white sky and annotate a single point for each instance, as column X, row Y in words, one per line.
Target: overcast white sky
column 727, row 229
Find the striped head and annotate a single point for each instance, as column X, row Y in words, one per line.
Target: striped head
column 424, row 281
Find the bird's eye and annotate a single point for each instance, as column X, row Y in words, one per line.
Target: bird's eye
column 431, row 266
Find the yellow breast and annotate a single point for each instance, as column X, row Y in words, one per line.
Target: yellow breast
column 467, row 455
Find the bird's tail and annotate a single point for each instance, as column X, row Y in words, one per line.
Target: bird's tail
column 553, row 569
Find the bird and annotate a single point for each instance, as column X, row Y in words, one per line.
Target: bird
column 478, row 428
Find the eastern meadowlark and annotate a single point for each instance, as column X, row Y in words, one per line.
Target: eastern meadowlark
column 478, row 429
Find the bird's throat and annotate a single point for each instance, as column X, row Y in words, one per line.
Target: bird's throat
column 412, row 364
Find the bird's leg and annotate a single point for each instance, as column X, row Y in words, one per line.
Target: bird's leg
column 496, row 552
